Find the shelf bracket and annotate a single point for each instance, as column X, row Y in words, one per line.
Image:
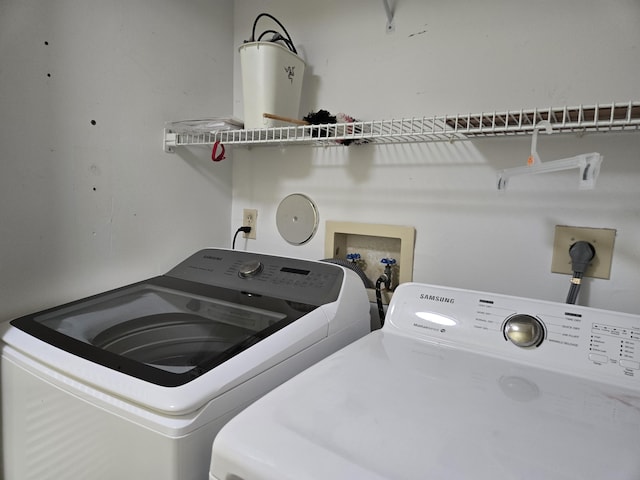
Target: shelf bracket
column 389, row 9
column 169, row 141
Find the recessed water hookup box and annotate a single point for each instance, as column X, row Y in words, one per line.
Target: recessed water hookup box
column 373, row 242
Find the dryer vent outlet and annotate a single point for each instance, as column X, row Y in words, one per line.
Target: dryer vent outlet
column 250, row 219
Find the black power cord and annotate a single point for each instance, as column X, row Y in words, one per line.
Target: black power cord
column 241, row 229
column 581, row 254
column 277, row 37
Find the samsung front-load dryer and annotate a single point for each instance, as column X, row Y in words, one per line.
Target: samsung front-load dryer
column 135, row 383
column 457, row 385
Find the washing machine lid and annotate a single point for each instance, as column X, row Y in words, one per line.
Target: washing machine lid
column 166, row 331
column 173, row 328
column 389, row 407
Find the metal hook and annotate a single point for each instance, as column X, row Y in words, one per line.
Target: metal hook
column 534, row 158
column 389, row 10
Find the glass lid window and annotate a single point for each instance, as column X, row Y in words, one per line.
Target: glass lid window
column 165, row 329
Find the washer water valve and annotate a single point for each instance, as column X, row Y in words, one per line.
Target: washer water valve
column 388, row 264
column 354, row 257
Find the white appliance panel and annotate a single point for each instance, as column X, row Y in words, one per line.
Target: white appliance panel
column 420, row 403
column 69, row 411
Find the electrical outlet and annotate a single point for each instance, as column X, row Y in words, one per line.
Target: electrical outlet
column 250, row 219
column 602, row 240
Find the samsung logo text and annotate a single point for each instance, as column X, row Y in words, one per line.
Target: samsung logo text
column 436, row 298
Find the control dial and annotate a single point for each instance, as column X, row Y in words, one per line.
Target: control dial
column 250, row 269
column 524, row 330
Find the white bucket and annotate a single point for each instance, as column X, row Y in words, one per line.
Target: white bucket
column 271, row 83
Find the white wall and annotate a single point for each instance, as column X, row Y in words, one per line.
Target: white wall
column 458, row 57
column 88, row 207
column 131, row 66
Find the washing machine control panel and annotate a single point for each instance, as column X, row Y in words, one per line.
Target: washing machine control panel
column 553, row 335
column 295, row 280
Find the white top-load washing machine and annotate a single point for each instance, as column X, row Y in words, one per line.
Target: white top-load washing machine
column 457, row 385
column 134, row 383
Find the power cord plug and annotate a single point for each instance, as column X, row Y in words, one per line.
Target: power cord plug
column 581, row 254
column 241, row 229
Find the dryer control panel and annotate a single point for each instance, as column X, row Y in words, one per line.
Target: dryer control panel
column 558, row 336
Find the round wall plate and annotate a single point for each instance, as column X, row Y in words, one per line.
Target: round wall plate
column 297, row 219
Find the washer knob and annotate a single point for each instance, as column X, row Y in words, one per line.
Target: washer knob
column 250, row 269
column 524, row 331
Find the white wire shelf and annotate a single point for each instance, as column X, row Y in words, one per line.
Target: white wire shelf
column 580, row 119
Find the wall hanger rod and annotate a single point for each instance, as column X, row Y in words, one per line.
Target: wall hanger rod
column 588, row 163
